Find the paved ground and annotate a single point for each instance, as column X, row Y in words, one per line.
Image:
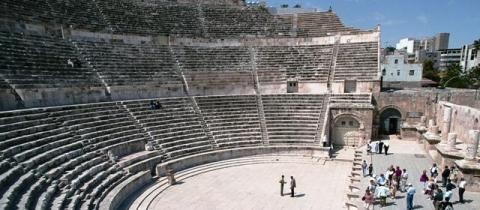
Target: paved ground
column 256, row 187
column 409, row 155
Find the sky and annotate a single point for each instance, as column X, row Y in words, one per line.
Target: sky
column 405, row 18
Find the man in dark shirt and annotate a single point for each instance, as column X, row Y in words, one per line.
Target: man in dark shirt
column 445, row 175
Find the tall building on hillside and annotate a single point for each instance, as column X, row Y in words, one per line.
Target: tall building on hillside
column 448, row 57
column 429, row 44
column 469, row 57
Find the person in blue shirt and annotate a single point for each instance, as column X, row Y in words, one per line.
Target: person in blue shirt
column 410, row 194
column 381, row 180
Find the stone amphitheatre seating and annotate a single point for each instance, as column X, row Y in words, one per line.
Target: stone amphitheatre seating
column 294, row 118
column 307, row 63
column 221, row 21
column 233, row 120
column 357, row 61
column 130, row 64
column 58, row 156
column 213, row 65
column 142, row 18
column 320, row 24
column 31, row 61
column 176, row 128
column 350, row 98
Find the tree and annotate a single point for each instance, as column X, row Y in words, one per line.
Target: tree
column 297, row 6
column 390, row 49
column 429, row 71
column 474, row 77
column 454, row 77
column 284, row 6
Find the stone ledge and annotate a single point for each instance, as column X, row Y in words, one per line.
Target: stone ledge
column 121, row 192
column 218, row 155
column 445, row 151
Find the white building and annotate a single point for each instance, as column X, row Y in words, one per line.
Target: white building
column 408, row 45
column 398, row 73
column 449, row 57
column 469, row 57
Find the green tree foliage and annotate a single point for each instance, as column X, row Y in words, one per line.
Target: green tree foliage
column 473, row 75
column 454, row 77
column 429, row 71
column 389, row 49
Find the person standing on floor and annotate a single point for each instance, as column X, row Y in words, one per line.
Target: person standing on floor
column 282, row 183
column 376, row 147
column 437, row 199
column 386, row 146
column 293, row 184
column 445, row 176
column 367, row 199
column 410, row 194
column 370, row 170
column 364, row 168
column 461, row 189
column 424, row 179
column 380, row 147
column 403, row 180
column 434, row 172
column 382, row 193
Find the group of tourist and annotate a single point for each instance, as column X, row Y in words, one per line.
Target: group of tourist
column 386, row 184
column 293, row 185
column 395, row 179
column 378, row 147
column 442, row 199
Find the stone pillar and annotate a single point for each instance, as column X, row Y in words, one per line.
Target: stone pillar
column 423, row 121
column 472, row 147
column 452, row 140
column 432, row 128
column 447, row 113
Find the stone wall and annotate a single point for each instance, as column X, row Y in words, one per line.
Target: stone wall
column 462, row 120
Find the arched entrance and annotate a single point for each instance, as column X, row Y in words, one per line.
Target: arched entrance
column 346, row 131
column 390, row 120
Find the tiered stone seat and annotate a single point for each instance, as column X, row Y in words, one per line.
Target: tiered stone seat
column 26, row 10
column 233, row 120
column 229, row 21
column 129, row 64
column 78, row 14
column 213, row 65
column 136, row 17
column 306, row 63
column 320, row 24
column 57, row 156
column 4, row 84
column 30, row 61
column 176, row 128
column 293, row 118
column 350, row 98
column 357, row 61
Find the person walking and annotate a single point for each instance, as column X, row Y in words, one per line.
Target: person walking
column 367, row 199
column 293, row 184
column 461, row 189
column 282, row 183
column 364, row 168
column 434, row 172
column 410, row 194
column 370, row 170
column 380, row 147
column 437, row 199
column 424, row 179
column 382, row 193
column 445, row 176
column 386, row 146
column 403, row 180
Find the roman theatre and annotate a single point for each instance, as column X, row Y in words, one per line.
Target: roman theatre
column 202, row 104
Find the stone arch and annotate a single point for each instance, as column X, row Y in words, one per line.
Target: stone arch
column 347, row 130
column 390, row 118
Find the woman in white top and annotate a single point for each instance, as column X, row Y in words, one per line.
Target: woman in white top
column 461, row 189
